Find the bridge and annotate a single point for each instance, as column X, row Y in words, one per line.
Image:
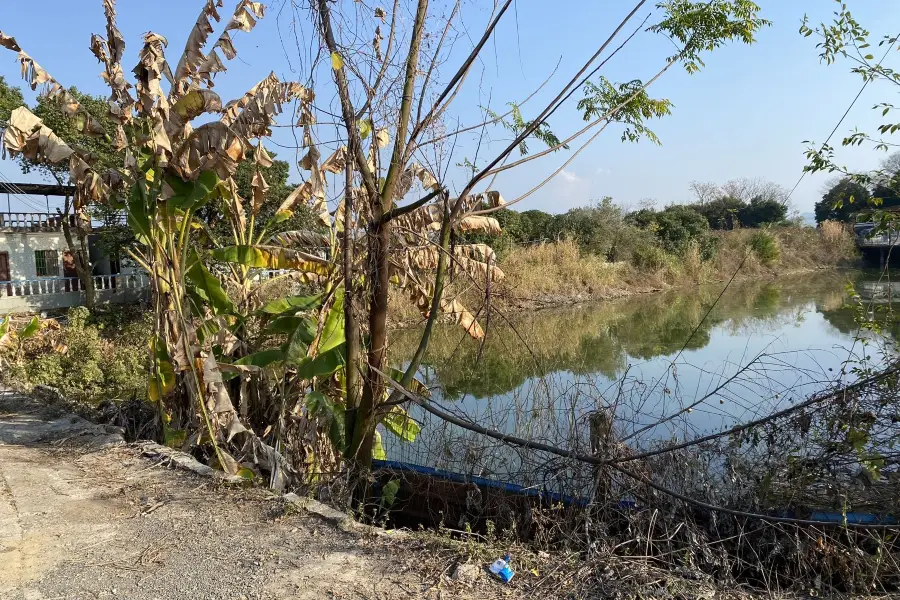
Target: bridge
column 875, row 245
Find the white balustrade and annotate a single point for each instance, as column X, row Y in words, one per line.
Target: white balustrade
column 60, row 285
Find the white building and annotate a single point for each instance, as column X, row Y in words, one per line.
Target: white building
column 37, row 268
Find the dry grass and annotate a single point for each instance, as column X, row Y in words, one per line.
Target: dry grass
column 802, row 249
column 833, row 232
column 558, row 268
column 561, row 273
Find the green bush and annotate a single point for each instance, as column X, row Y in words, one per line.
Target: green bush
column 90, row 358
column 675, row 226
column 709, row 247
column 764, row 245
column 651, row 258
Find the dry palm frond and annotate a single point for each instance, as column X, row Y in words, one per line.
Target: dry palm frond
column 424, row 219
column 265, row 98
column 412, row 172
column 27, row 135
column 260, row 187
column 36, row 76
column 9, row 42
column 188, row 69
column 312, row 191
column 478, row 224
column 235, row 207
column 421, row 297
column 210, row 147
column 151, row 67
column 109, row 51
column 474, row 260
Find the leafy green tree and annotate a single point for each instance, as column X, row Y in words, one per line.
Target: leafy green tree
column 762, row 211
column 844, row 198
column 723, row 212
column 538, row 225
column 10, row 99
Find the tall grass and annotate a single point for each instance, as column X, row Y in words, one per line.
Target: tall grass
column 557, row 268
column 560, row 270
column 563, row 272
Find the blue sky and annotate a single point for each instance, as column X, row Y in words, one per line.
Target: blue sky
column 746, row 114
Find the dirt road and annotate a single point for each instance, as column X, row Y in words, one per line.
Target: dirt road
column 83, row 516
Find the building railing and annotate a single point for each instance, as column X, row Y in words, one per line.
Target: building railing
column 62, row 285
column 884, row 239
column 865, row 238
column 32, row 221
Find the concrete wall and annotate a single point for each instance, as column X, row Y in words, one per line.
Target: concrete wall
column 38, row 303
column 21, row 247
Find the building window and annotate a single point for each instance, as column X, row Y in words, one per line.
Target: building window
column 46, row 263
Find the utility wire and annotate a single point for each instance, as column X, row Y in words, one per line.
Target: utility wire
column 747, row 255
column 29, row 200
column 844, row 116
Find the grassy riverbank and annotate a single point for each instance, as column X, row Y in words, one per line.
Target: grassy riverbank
column 561, row 272
column 564, row 272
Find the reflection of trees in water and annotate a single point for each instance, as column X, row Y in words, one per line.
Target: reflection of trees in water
column 879, row 302
column 600, row 338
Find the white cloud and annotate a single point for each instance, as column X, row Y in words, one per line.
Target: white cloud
column 570, row 177
column 602, row 171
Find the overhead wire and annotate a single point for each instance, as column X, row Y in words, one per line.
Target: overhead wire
column 747, row 254
column 28, row 199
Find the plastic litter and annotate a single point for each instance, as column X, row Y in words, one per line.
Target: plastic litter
column 502, row 570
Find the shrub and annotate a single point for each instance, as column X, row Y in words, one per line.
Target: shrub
column 626, row 240
column 709, row 247
column 652, row 258
column 90, row 359
column 675, row 226
column 765, row 247
column 833, row 232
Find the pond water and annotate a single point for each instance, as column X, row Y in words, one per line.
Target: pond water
column 667, row 366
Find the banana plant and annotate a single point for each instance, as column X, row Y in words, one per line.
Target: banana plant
column 170, row 168
column 207, row 292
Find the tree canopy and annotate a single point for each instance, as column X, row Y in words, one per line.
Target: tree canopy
column 844, row 198
column 10, row 98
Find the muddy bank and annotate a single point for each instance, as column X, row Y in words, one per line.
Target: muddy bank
column 83, row 515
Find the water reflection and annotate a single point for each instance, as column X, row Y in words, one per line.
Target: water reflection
column 654, row 362
column 604, row 338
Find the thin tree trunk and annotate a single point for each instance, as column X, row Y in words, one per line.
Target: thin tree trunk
column 80, row 255
column 351, row 327
column 379, row 236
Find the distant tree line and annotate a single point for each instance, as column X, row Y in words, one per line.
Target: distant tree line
column 608, row 230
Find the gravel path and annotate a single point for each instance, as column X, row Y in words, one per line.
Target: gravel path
column 83, row 516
